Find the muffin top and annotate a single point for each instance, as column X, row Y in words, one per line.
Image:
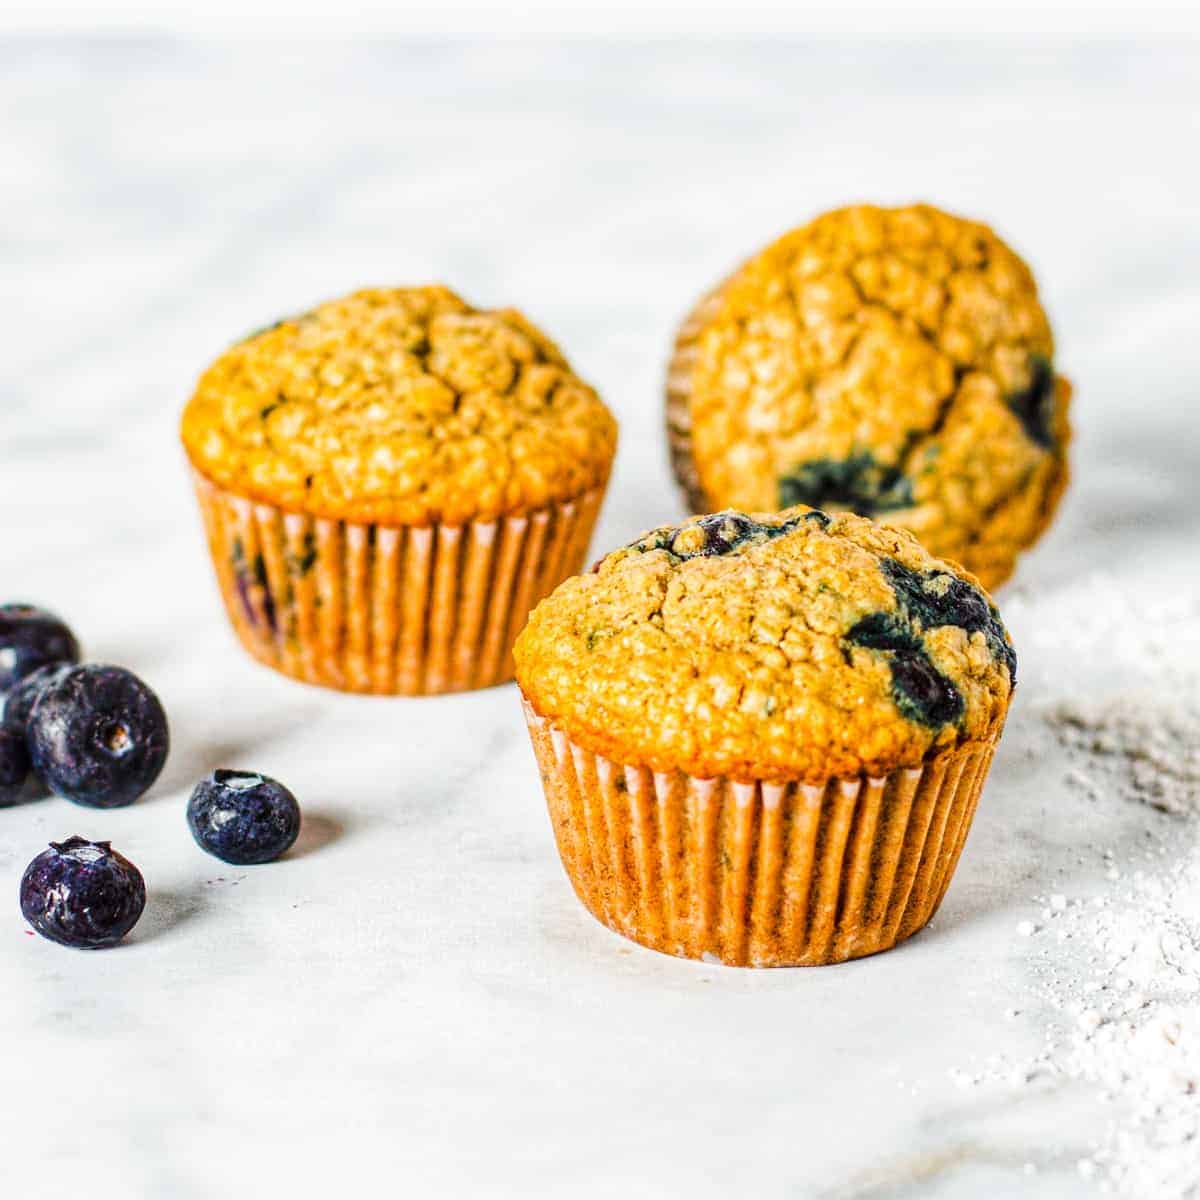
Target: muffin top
column 793, row 646
column 892, row 362
column 399, row 405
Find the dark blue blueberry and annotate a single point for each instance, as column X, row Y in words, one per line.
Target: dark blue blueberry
column 937, row 598
column 722, row 532
column 816, row 516
column 19, row 702
column 1034, row 404
column 83, row 894
column 31, row 638
column 858, row 483
column 922, row 692
column 98, row 736
column 14, row 765
column 882, row 631
column 242, row 817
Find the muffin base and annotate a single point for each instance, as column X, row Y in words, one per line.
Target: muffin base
column 415, row 610
column 759, row 874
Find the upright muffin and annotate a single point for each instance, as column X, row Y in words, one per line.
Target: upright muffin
column 895, row 363
column 762, row 738
column 390, row 482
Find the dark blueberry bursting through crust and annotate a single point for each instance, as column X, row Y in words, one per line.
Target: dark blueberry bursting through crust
column 82, row 894
column 98, row 736
column 858, row 483
column 921, row 692
column 881, row 631
column 721, row 533
column 14, row 765
column 936, row 598
column 1034, row 404
column 724, row 532
column 243, row 817
column 31, row 638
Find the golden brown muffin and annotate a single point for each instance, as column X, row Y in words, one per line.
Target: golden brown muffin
column 403, row 406
column 893, row 362
column 390, row 482
column 763, row 737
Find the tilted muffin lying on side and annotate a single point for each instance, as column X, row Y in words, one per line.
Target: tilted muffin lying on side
column 763, row 737
column 390, row 482
column 896, row 363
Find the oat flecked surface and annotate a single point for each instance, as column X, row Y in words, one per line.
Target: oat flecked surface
column 399, row 406
column 795, row 646
column 893, row 362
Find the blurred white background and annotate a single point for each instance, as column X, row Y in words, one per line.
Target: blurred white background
column 870, row 18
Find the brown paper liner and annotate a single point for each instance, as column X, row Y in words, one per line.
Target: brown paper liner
column 399, row 610
column 679, row 401
column 759, row 874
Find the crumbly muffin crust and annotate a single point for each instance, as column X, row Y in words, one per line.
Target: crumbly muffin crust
column 893, row 362
column 400, row 406
column 794, row 646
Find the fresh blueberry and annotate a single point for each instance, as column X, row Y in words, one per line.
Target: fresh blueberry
column 858, row 483
column 31, row 638
column 19, row 702
column 243, row 817
column 98, row 736
column 83, row 894
column 14, row 765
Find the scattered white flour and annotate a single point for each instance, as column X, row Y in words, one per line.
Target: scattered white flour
column 1128, row 993
column 1149, row 754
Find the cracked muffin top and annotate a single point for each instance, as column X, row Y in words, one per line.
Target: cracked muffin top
column 799, row 645
column 896, row 363
column 399, row 405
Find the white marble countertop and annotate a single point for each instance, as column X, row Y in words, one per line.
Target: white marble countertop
column 415, row 1001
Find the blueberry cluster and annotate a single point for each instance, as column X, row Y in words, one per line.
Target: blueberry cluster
column 97, row 735
column 857, row 483
column 928, row 600
column 936, row 598
column 725, row 532
column 922, row 693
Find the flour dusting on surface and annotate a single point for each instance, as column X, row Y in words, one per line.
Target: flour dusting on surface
column 1136, row 747
column 1121, row 967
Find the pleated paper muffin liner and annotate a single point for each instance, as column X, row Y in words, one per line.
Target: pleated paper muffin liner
column 679, row 400
column 401, row 610
column 759, row 874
